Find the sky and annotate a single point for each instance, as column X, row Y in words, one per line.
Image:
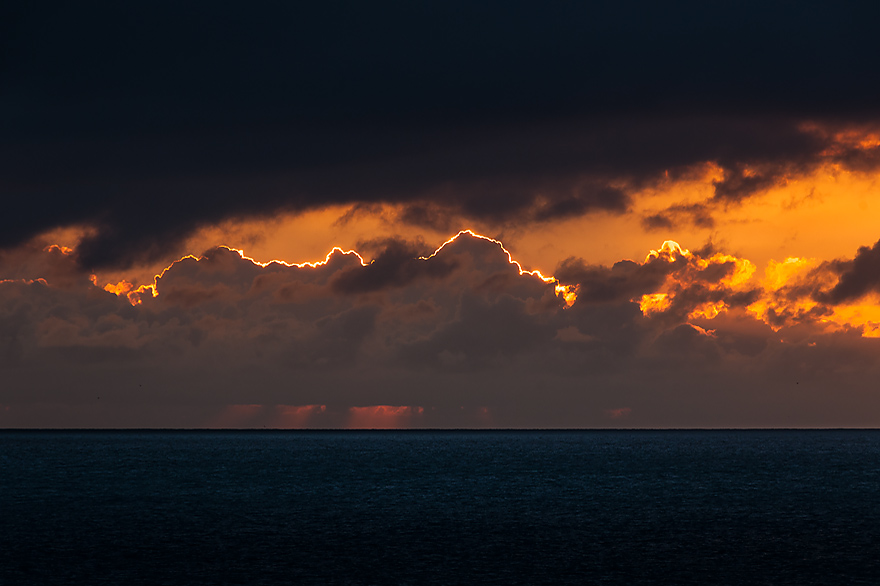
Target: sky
column 439, row 214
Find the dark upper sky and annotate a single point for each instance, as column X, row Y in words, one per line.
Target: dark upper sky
column 111, row 69
column 147, row 120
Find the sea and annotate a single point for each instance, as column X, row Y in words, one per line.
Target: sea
column 440, row 507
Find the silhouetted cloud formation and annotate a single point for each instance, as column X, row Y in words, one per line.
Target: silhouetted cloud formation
column 462, row 336
column 858, row 276
column 624, row 281
column 396, row 265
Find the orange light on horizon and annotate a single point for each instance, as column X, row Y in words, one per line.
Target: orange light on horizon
column 383, row 416
column 235, row 416
column 252, row 416
column 618, row 413
column 296, row 416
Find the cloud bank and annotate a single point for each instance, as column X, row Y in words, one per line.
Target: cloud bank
column 462, row 337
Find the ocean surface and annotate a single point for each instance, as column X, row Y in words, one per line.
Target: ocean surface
column 440, row 507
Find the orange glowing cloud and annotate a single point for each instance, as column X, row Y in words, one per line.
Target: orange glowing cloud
column 654, row 303
column 776, row 307
column 122, row 288
column 706, row 283
column 789, row 293
column 65, row 250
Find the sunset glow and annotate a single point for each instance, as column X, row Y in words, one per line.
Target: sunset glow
column 440, row 292
column 383, row 416
column 305, row 217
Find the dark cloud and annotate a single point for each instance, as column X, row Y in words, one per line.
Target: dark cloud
column 397, row 264
column 687, row 342
column 690, row 279
column 864, row 159
column 221, row 323
column 486, row 333
column 857, row 277
column 698, row 215
column 147, row 123
column 624, row 281
column 738, row 184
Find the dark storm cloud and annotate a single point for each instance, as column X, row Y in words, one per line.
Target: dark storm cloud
column 149, row 120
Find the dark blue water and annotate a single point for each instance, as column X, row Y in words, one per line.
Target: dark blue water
column 669, row 507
